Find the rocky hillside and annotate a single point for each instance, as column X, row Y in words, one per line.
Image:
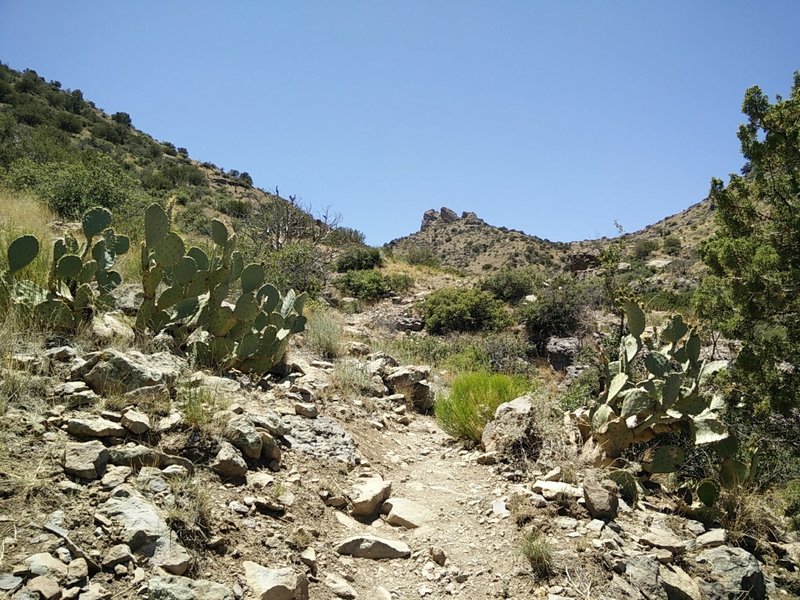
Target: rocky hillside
column 469, row 244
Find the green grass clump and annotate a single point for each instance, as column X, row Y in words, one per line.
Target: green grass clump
column 473, row 399
column 539, row 553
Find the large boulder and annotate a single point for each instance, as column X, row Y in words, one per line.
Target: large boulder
column 512, row 434
column 412, row 382
column 735, row 573
column 113, row 371
column 562, row 351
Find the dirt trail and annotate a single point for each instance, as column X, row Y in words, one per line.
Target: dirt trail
column 481, row 546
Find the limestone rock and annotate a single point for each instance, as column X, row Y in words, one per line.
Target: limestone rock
column 114, row 371
column 96, row 427
column 136, row 422
column 322, row 437
column 677, row 584
column 370, row 546
column 411, row 380
column 368, row 495
column 47, row 588
column 561, row 352
column 404, row 513
column 642, row 570
column 275, row 584
column 512, row 431
column 144, row 529
column 711, row 539
column 241, row 432
column 339, row 587
column 736, row 572
column 228, row 463
column 109, row 326
column 45, row 564
column 86, row 460
column 601, row 502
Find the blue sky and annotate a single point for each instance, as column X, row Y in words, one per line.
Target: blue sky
column 556, row 118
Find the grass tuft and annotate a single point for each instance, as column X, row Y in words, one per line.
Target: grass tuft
column 473, row 399
column 323, row 332
column 538, row 552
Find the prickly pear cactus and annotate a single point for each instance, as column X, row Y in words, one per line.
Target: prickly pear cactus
column 188, row 290
column 81, row 274
column 659, row 393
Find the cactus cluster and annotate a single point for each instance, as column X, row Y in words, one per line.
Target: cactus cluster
column 659, row 393
column 81, row 273
column 186, row 292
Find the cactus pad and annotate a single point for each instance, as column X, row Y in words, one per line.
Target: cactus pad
column 22, row 252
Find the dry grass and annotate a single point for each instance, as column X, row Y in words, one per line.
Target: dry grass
column 538, row 551
column 190, row 515
column 202, row 409
column 323, row 333
column 350, row 377
column 23, row 214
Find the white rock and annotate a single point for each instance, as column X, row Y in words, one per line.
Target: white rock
column 275, row 584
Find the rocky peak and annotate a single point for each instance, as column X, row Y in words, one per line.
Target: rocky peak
column 445, row 215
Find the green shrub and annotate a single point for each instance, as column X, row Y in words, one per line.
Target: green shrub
column 358, row 258
column 365, row 285
column 234, row 207
column 400, row 282
column 509, row 285
column 299, row 266
column 422, row 256
column 581, row 391
column 473, row 399
column 643, row 248
column 344, row 236
column 558, row 311
column 455, row 309
column 672, row 245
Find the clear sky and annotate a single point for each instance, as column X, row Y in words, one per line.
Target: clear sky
column 552, row 117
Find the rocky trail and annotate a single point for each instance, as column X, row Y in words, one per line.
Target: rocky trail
column 128, row 474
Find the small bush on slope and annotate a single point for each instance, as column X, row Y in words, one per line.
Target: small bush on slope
column 473, row 399
column 359, row 258
column 453, row 309
column 323, row 332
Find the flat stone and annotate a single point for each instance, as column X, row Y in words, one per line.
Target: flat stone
column 173, row 587
column 275, row 584
column 369, row 546
column 556, row 487
column 404, row 513
column 712, row 539
column 45, row 564
column 115, row 371
column 9, row 582
column 136, row 422
column 339, row 587
column 306, row 409
column 46, row 587
column 86, row 460
column 322, row 437
column 368, row 495
column 99, row 428
column 662, row 538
